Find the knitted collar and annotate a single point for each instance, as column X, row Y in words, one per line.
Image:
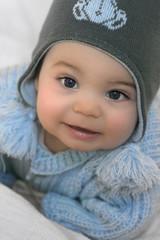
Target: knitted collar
column 46, row 163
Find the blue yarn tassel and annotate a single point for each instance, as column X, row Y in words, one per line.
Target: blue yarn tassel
column 18, row 130
column 127, row 167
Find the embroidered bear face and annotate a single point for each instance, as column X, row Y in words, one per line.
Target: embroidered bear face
column 104, row 12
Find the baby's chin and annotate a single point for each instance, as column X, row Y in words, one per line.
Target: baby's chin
column 85, row 147
column 82, row 147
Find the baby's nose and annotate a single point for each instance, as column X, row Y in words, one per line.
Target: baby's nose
column 87, row 107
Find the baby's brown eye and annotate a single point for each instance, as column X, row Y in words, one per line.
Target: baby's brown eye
column 69, row 82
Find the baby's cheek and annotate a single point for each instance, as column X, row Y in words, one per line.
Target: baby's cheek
column 117, row 124
column 47, row 102
column 127, row 124
column 123, row 124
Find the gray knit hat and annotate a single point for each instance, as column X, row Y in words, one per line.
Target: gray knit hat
column 127, row 30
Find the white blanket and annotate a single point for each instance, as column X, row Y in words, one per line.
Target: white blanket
column 21, row 220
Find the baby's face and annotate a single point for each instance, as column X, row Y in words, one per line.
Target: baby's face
column 86, row 100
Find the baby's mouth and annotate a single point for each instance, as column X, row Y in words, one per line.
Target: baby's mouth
column 82, row 129
column 82, row 133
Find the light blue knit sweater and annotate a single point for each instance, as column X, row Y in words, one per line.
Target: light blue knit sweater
column 106, row 195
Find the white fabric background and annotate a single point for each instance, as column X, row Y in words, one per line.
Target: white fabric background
column 20, row 23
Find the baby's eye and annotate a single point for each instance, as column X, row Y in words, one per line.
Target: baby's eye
column 69, row 82
column 116, row 95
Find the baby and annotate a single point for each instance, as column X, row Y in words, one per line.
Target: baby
column 79, row 128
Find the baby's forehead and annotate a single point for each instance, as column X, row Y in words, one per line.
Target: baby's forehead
column 77, row 53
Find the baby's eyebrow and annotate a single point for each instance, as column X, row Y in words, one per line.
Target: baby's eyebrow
column 66, row 64
column 127, row 83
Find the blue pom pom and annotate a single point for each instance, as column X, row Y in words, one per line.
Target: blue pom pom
column 18, row 130
column 127, row 167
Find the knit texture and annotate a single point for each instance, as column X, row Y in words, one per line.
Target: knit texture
column 78, row 192
column 127, row 30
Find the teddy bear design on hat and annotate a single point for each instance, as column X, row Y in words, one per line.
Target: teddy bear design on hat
column 106, row 12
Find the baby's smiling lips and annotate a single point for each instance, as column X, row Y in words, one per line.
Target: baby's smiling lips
column 82, row 129
column 82, row 133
